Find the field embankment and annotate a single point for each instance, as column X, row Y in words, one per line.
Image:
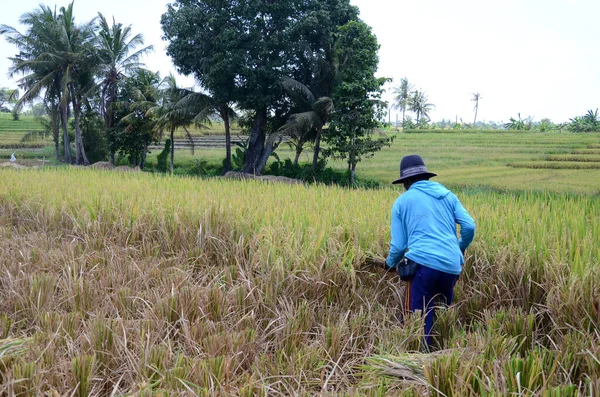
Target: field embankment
column 142, row 284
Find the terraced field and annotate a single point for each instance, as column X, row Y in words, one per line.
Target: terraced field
column 12, row 132
column 557, row 162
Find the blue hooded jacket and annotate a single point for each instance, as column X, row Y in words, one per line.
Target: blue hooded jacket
column 423, row 228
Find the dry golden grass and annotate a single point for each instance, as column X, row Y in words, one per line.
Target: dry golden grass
column 115, row 284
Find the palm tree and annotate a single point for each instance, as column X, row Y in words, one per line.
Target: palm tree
column 56, row 56
column 141, row 92
column 401, row 98
column 8, row 96
column 419, row 105
column 204, row 107
column 476, row 97
column 39, row 63
column 78, row 58
column 306, row 124
column 119, row 57
column 171, row 114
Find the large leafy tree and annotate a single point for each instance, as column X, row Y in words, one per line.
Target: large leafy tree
column 357, row 98
column 119, row 52
column 240, row 50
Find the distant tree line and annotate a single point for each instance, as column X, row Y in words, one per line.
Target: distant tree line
column 406, row 98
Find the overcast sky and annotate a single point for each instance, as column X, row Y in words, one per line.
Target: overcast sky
column 536, row 57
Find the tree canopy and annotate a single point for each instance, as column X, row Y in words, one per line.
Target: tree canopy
column 241, row 50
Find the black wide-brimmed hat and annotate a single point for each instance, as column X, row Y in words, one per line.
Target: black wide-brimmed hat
column 412, row 166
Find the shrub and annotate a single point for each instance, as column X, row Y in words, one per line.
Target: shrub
column 322, row 174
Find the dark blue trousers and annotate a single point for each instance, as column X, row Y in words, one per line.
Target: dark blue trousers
column 428, row 288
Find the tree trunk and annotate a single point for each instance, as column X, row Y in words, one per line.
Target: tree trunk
column 317, row 149
column 172, row 151
column 352, row 159
column 57, row 148
column 80, row 157
column 298, row 153
column 144, row 153
column 64, row 118
column 273, row 143
column 55, row 122
column 108, row 119
column 225, row 117
column 256, row 143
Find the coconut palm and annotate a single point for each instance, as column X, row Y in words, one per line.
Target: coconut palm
column 56, row 57
column 8, row 97
column 119, row 57
column 204, row 107
column 306, row 124
column 401, row 96
column 476, row 98
column 419, row 105
column 141, row 92
column 78, row 58
column 39, row 63
column 171, row 115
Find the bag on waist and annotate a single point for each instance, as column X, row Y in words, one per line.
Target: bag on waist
column 406, row 269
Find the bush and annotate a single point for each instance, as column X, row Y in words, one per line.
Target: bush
column 322, row 174
column 200, row 168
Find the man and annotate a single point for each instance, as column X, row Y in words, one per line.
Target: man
column 425, row 248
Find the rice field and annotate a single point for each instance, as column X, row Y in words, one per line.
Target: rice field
column 134, row 284
column 556, row 162
column 11, row 132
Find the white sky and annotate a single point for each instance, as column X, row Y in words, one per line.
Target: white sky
column 536, row 57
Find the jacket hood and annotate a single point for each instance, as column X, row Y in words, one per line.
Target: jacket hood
column 433, row 189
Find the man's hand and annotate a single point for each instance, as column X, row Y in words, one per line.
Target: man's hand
column 377, row 262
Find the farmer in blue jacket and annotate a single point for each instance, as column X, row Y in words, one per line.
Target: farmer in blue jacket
column 425, row 248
